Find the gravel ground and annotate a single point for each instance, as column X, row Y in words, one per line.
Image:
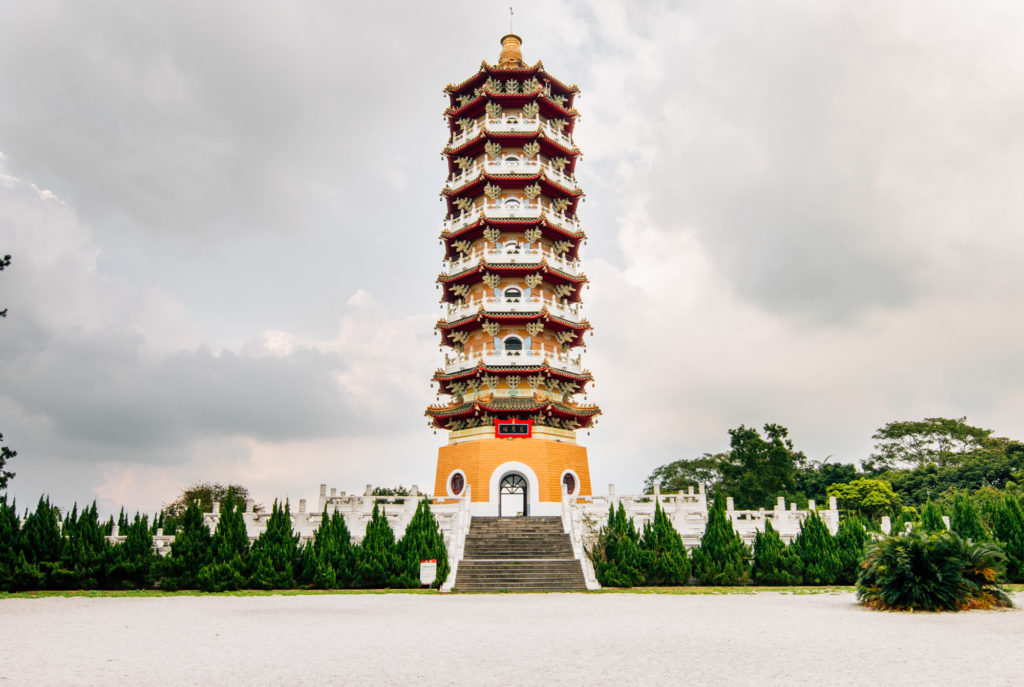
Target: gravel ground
column 572, row 639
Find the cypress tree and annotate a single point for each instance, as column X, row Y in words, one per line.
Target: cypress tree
column 230, row 550
column 86, row 551
column 328, row 561
column 817, row 551
column 10, row 534
column 616, row 554
column 721, row 557
column 850, row 539
column 132, row 561
column 377, row 563
column 931, row 518
column 966, row 521
column 422, row 541
column 1008, row 528
column 190, row 551
column 274, row 556
column 665, row 560
column 42, row 544
column 774, row 562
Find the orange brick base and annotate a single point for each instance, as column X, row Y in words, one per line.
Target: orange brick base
column 547, row 458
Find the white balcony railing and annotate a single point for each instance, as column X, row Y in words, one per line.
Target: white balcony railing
column 533, row 304
column 536, row 356
column 467, row 134
column 524, row 256
column 463, row 220
column 517, row 125
column 510, row 125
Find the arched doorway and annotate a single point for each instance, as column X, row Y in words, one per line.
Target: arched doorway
column 513, row 495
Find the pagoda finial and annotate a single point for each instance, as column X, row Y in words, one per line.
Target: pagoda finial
column 511, row 56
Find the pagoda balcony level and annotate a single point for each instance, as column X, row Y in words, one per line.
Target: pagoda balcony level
column 535, row 304
column 514, row 209
column 532, row 256
column 511, row 125
column 467, row 134
column 538, row 356
column 507, row 167
column 464, row 220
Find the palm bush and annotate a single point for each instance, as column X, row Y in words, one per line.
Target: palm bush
column 931, row 572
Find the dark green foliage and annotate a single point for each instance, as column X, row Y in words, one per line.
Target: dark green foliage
column 132, row 561
column 191, row 549
column 759, row 469
column 377, row 562
column 664, row 557
column 10, row 535
column 86, row 552
column 229, row 549
column 850, row 539
column 934, row 440
column 328, row 562
column 815, row 477
column 932, row 572
column 774, row 563
column 931, row 518
column 870, row 498
column 1008, row 529
column 422, row 541
column 817, row 551
column 966, row 521
column 678, row 476
column 721, row 557
column 616, row 554
column 274, row 557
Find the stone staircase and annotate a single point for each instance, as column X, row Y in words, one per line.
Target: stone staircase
column 530, row 554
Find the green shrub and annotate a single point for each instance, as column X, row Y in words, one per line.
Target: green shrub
column 190, row 551
column 966, row 521
column 616, row 554
column 422, row 541
column 274, row 556
column 774, row 562
column 817, row 551
column 931, row 519
column 377, row 563
column 328, row 562
column 1008, row 528
column 663, row 553
column 229, row 551
column 850, row 540
column 721, row 558
column 932, row 572
column 132, row 561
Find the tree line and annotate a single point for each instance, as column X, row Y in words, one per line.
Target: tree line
column 44, row 550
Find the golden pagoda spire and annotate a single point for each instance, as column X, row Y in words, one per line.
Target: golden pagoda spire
column 511, row 56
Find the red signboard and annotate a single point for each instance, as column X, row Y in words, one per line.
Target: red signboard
column 513, row 429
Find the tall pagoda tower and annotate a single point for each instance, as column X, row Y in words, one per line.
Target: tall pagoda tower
column 512, row 327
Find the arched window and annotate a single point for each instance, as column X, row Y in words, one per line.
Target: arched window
column 513, row 203
column 513, row 345
column 569, row 480
column 457, row 483
column 512, row 119
column 512, row 247
column 512, row 161
column 513, row 294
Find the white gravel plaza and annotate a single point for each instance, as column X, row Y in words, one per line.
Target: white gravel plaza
column 573, row 639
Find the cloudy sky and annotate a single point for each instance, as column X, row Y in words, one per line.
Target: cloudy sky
column 223, row 219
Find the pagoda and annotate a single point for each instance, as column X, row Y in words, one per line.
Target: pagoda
column 512, row 327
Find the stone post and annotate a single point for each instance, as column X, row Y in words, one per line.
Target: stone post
column 216, row 508
column 302, row 505
column 730, row 505
column 811, row 505
column 323, row 497
column 945, row 521
column 115, row 531
column 886, row 524
column 612, row 499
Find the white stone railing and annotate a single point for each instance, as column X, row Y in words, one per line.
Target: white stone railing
column 564, row 310
column 501, row 125
column 463, row 220
column 453, row 517
column 523, row 256
column 536, row 356
column 574, row 525
column 467, row 134
column 525, row 167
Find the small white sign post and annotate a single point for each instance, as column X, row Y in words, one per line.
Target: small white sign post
column 428, row 572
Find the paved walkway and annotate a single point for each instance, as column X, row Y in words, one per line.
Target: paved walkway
column 570, row 639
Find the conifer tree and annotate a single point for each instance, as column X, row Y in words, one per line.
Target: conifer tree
column 616, row 554
column 721, row 557
column 229, row 549
column 665, row 560
column 10, row 535
column 42, row 544
column 817, row 551
column 850, row 540
column 132, row 561
column 774, row 563
column 328, row 561
column 377, row 563
column 86, row 551
column 422, row 541
column 274, row 556
column 931, row 518
column 1008, row 528
column 191, row 550
column 966, row 521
